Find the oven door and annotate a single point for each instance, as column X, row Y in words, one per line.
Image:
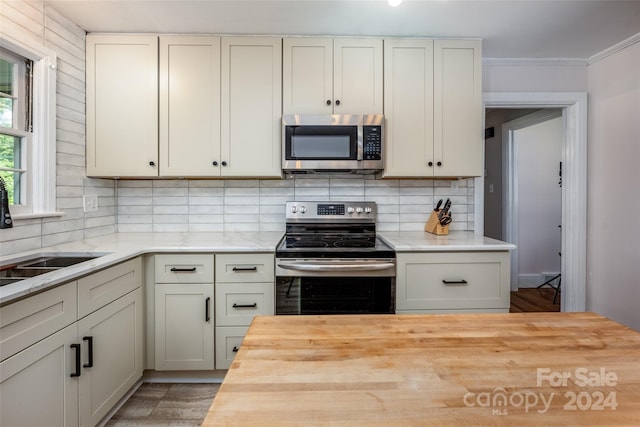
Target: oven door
column 335, row 286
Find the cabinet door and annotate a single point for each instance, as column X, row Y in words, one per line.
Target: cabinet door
column 307, row 76
column 184, row 326
column 357, row 71
column 251, row 107
column 36, row 388
column 408, row 93
column 189, row 106
column 458, row 108
column 122, row 105
column 115, row 334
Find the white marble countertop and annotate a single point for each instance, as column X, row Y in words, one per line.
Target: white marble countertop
column 420, row 241
column 115, row 248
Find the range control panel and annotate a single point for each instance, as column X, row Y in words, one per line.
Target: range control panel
column 347, row 211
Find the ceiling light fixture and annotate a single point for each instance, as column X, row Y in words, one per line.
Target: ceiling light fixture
column 394, row 3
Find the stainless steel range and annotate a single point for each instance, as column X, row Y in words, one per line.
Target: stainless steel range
column 330, row 261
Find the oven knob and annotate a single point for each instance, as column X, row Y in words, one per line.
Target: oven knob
column 294, row 209
column 358, row 209
column 367, row 210
column 303, row 209
column 350, row 210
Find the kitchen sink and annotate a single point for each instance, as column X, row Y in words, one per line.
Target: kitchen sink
column 55, row 261
column 15, row 271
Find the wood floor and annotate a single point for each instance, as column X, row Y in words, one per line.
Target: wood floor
column 162, row 404
column 528, row 300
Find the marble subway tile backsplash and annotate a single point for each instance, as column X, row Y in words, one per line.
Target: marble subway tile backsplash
column 259, row 205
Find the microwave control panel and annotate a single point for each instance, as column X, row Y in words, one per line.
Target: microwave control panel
column 372, row 142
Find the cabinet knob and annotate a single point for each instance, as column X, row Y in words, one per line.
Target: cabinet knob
column 152, row 163
column 215, row 163
column 224, row 163
column 337, row 102
column 430, row 164
column 439, row 163
column 328, row 102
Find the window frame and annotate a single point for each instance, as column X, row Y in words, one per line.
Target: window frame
column 41, row 145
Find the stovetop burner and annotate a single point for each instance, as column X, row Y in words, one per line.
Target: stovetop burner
column 332, row 230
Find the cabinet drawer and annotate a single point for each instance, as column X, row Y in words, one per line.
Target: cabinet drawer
column 228, row 341
column 245, row 268
column 103, row 287
column 29, row 320
column 445, row 281
column 184, row 268
column 237, row 304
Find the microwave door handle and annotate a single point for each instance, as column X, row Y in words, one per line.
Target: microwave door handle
column 309, row 266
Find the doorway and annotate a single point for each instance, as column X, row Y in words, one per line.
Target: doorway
column 574, row 160
column 523, row 158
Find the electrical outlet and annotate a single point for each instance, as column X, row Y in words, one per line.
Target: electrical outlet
column 90, row 203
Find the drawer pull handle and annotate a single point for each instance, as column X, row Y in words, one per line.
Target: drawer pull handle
column 183, row 270
column 77, row 348
column 235, row 349
column 207, row 314
column 254, row 268
column 90, row 344
column 454, row 282
column 254, row 305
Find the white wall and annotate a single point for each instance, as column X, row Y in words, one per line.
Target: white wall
column 32, row 20
column 501, row 76
column 537, row 152
column 613, row 241
column 493, row 196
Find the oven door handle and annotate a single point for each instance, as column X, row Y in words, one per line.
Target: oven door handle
column 352, row 266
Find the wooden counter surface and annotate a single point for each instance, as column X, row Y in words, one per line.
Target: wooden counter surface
column 459, row 369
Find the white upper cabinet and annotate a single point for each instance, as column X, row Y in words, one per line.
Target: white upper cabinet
column 122, row 105
column 332, row 76
column 408, row 86
column 433, row 107
column 458, row 132
column 251, row 108
column 189, row 106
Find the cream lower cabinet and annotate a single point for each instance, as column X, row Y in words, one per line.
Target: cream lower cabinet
column 244, row 289
column 64, row 369
column 36, row 388
column 112, row 355
column 452, row 282
column 433, row 108
column 184, row 317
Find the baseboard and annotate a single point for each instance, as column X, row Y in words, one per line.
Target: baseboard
column 213, row 377
column 535, row 280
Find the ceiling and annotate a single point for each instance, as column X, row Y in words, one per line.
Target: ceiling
column 575, row 29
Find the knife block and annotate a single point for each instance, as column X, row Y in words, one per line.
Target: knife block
column 433, row 225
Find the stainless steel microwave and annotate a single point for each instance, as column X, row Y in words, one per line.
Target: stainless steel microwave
column 344, row 143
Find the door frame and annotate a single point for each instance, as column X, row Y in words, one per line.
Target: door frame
column 510, row 199
column 574, row 184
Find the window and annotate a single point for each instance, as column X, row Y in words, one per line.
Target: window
column 28, row 127
column 15, row 126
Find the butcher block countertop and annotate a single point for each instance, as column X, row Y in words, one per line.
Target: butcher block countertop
column 449, row 369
